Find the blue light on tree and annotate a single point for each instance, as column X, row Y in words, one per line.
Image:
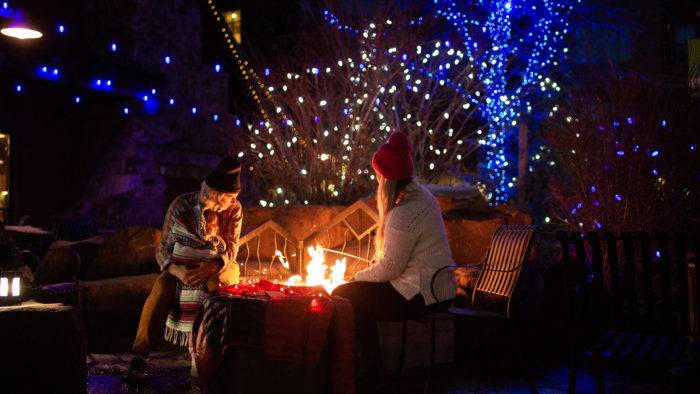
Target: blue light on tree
column 515, row 45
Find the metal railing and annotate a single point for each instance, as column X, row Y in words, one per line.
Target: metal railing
column 272, row 238
column 349, row 234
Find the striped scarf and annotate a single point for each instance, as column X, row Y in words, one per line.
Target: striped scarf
column 189, row 250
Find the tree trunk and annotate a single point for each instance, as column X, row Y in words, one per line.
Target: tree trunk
column 523, row 159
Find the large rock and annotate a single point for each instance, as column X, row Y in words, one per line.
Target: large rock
column 130, row 251
column 465, row 197
column 300, row 220
column 469, row 234
column 67, row 260
column 112, row 310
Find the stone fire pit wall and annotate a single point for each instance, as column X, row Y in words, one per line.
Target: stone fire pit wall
column 469, row 231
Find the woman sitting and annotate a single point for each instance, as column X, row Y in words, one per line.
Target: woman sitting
column 410, row 246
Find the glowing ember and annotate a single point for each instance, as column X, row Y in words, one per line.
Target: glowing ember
column 318, row 273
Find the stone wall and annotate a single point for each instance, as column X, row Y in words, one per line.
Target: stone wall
column 157, row 156
column 469, row 231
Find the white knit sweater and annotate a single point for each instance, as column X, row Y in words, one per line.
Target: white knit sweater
column 415, row 246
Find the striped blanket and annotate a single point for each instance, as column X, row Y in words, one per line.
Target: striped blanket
column 178, row 327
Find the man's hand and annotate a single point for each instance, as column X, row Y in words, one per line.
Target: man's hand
column 178, row 271
column 206, row 270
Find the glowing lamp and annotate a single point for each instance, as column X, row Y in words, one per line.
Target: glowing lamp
column 21, row 29
column 10, row 288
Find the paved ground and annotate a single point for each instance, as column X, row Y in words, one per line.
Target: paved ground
column 169, row 372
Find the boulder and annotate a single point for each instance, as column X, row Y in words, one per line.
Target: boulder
column 465, row 197
column 470, row 232
column 67, row 260
column 130, row 251
column 112, row 310
column 300, row 220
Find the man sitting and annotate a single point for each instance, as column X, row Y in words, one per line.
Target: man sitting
column 197, row 253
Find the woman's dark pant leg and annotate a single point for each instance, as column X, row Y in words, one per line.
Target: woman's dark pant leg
column 373, row 302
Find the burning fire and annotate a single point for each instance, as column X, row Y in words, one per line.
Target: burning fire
column 318, row 273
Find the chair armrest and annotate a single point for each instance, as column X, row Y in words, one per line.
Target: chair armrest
column 477, row 265
column 517, row 267
column 432, row 280
column 480, row 266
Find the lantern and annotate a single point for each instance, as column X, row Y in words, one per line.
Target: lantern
column 10, row 288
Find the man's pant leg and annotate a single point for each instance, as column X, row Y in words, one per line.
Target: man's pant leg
column 155, row 312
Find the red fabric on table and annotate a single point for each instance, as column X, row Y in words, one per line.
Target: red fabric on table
column 297, row 323
column 266, row 288
column 296, row 329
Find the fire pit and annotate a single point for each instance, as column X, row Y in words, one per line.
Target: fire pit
column 252, row 335
column 318, row 273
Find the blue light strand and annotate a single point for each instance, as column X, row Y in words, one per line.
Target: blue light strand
column 54, row 73
column 492, row 42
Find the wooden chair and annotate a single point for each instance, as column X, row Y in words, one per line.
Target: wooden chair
column 647, row 333
column 500, row 271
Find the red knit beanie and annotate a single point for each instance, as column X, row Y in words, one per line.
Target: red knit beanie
column 393, row 160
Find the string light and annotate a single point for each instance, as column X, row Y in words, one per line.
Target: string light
column 500, row 105
column 54, row 73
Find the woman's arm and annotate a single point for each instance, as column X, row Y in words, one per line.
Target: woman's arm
column 398, row 245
